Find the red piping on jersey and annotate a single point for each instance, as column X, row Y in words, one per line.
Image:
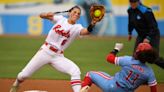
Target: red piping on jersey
column 103, row 75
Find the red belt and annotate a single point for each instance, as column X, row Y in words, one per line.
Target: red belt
column 53, row 49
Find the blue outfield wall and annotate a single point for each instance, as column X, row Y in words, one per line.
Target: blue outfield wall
column 34, row 25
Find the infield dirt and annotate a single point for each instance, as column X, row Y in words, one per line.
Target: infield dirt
column 56, row 86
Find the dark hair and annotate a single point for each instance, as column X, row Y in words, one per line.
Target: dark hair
column 133, row 1
column 73, row 8
column 68, row 10
column 149, row 56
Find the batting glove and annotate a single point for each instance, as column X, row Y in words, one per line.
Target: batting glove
column 118, row 46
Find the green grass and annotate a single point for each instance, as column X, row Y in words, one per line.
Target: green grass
column 87, row 53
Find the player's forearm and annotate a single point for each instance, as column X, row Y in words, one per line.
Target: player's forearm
column 90, row 27
column 111, row 58
column 48, row 15
column 87, row 30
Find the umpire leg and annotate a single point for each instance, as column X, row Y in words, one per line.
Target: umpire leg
column 160, row 62
column 155, row 43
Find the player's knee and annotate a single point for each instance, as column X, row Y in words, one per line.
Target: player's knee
column 75, row 72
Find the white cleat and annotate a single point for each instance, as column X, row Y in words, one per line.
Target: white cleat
column 14, row 89
column 85, row 89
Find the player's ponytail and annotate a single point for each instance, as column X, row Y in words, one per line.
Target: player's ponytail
column 60, row 12
column 68, row 10
column 73, row 8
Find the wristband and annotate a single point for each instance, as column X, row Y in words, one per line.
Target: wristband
column 114, row 51
column 90, row 28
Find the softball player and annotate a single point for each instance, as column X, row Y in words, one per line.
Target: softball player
column 134, row 71
column 63, row 32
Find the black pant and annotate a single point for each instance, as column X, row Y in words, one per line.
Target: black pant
column 155, row 42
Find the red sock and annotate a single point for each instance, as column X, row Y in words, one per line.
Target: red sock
column 87, row 81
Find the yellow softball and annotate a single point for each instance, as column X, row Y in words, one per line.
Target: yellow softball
column 97, row 13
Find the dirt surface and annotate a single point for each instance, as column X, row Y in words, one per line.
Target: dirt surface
column 56, row 86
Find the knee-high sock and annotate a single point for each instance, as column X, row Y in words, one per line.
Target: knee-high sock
column 76, row 85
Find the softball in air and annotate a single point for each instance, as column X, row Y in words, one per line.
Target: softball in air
column 97, row 13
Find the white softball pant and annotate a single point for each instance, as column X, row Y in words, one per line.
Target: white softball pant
column 57, row 61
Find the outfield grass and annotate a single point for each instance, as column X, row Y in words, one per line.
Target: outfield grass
column 87, row 53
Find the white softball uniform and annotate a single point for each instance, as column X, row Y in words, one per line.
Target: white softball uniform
column 59, row 38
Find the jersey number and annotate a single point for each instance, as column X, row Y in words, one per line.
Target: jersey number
column 130, row 78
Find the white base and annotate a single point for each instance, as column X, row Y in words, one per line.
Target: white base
column 35, row 91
